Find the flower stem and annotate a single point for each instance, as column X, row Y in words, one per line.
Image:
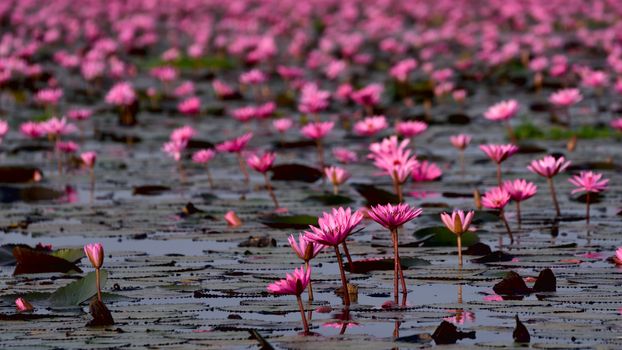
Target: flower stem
column 397, row 187
column 310, row 288
column 344, row 281
column 460, row 251
column 587, row 208
column 462, row 172
column 320, row 153
column 499, row 174
column 553, row 195
column 92, row 176
column 270, row 191
column 507, row 226
column 335, row 190
column 518, row 213
column 243, row 169
column 97, row 284
column 347, row 253
column 209, row 177
column 302, row 314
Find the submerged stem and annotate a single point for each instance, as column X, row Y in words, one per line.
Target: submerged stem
column 553, row 195
column 507, row 226
column 310, row 288
column 270, row 191
column 302, row 314
column 344, row 281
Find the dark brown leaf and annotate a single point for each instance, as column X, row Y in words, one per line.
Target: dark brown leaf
column 32, row 261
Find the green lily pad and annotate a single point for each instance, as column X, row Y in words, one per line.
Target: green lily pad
column 330, row 199
column 374, row 195
column 69, row 254
column 77, row 292
column 441, row 237
column 298, row 222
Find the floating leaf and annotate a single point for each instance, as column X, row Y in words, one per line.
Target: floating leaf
column 458, row 119
column 497, row 256
column 295, row 172
column 482, row 216
column 440, row 236
column 30, row 261
column 20, row 174
column 330, row 199
column 298, row 222
column 150, row 190
column 512, row 284
column 384, row 264
column 447, row 333
column 101, row 314
column 69, row 254
column 546, row 281
column 262, row 241
column 374, row 195
column 520, row 334
column 294, row 144
column 77, row 292
column 477, row 249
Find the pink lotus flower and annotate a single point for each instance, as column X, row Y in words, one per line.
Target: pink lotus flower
column 588, row 181
column 312, row 99
column 520, row 189
column 344, row 155
column 232, row 219
column 594, row 78
column 262, row 163
column 337, row 176
column 458, row 222
column 253, row 77
column 334, row 227
column 290, row 73
column 393, row 216
column 221, row 89
column 499, row 153
column 32, row 129
column 565, row 97
column 49, row 96
column 203, row 156
column 190, row 106
column 393, row 159
column 293, row 284
column 503, row 110
column 244, row 114
column 370, row 125
column 344, row 92
column 56, row 127
column 460, row 141
column 121, row 94
column 183, row 134
column 184, row 89
column 316, row 131
column 496, row 198
column 617, row 124
column 79, row 114
column 174, row 148
column 410, row 128
column 88, row 158
column 426, row 171
column 368, row 96
column 4, row 128
column 402, row 69
column 22, row 305
column 266, row 110
column 235, row 145
column 164, row 74
column 303, row 248
column 548, row 166
column 282, row 125
column 67, row 146
column 459, row 95
column 95, row 253
column 617, row 258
